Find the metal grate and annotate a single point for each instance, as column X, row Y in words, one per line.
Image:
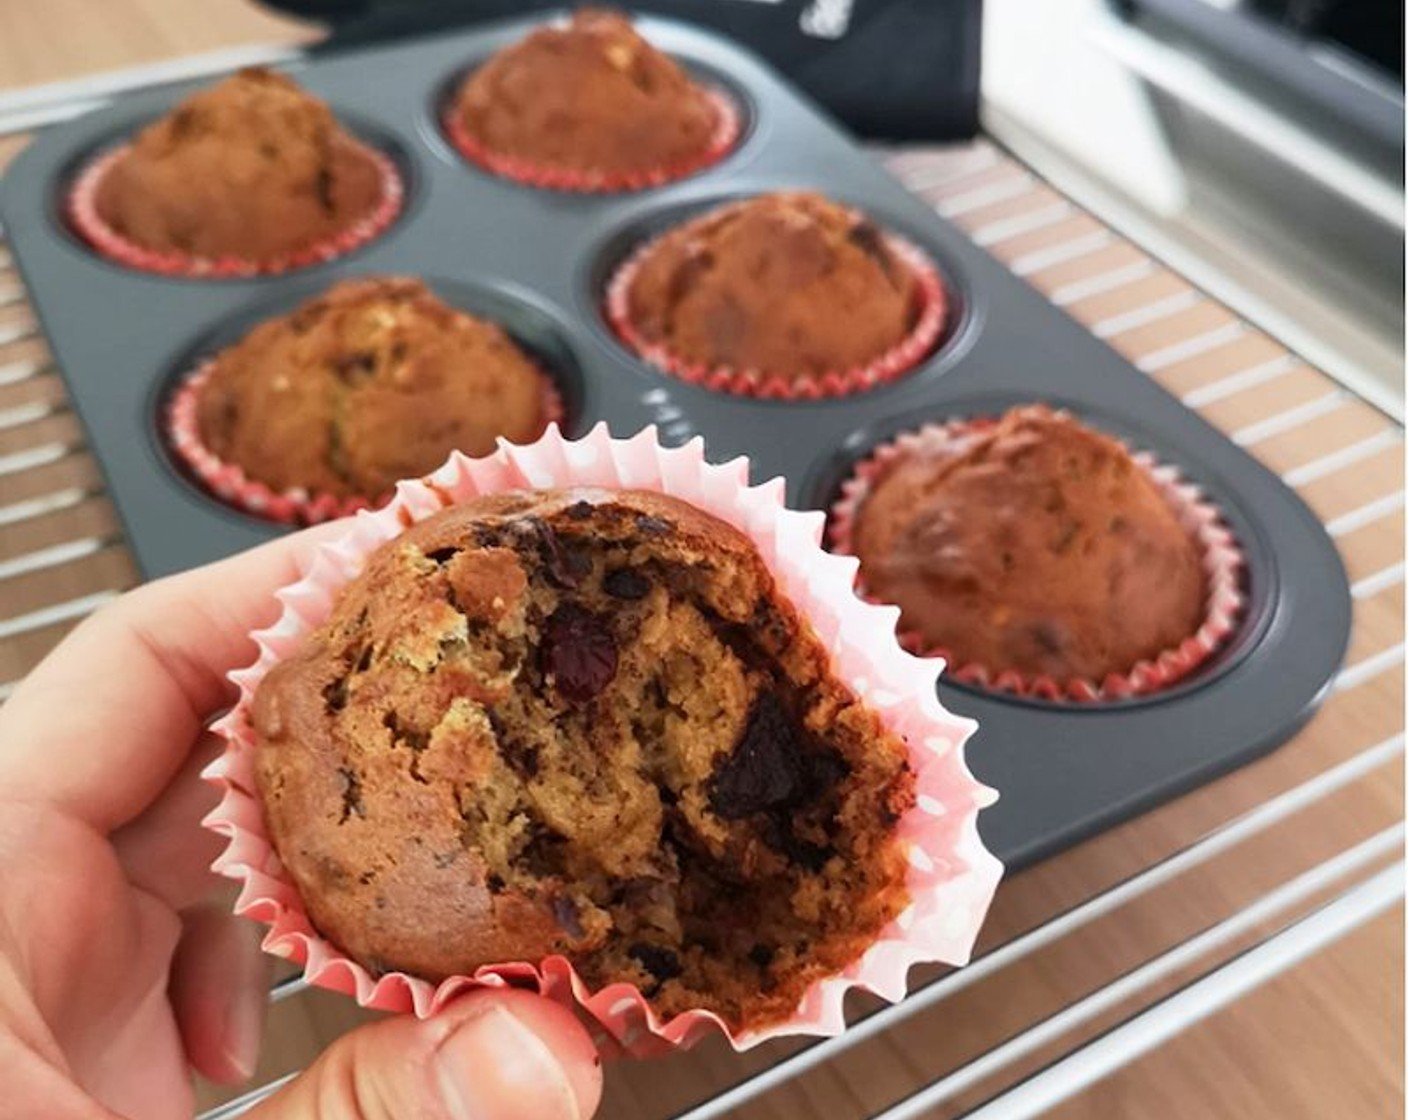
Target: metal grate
column 1089, row 961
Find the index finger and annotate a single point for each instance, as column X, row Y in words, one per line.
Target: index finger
column 101, row 725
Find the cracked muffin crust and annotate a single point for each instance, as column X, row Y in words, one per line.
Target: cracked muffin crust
column 254, row 167
column 583, row 722
column 590, row 96
column 373, row 381
column 790, row 284
column 1032, row 543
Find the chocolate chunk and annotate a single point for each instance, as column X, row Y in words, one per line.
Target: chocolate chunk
column 578, row 652
column 442, row 555
column 522, row 758
column 568, row 916
column 762, row 955
column 653, row 526
column 494, row 882
column 580, row 511
column 564, row 568
column 1049, row 637
column 486, row 537
column 866, row 237
column 774, row 766
column 661, row 963
column 626, row 583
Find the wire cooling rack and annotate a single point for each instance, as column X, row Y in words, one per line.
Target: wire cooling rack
column 1196, row 913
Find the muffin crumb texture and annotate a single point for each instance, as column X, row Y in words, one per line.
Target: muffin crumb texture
column 1032, row 544
column 254, row 167
column 583, row 722
column 592, row 96
column 791, row 285
column 374, row 381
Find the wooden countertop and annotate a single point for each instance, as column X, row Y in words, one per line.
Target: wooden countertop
column 1083, row 941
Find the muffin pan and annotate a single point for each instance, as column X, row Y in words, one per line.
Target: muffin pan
column 538, row 261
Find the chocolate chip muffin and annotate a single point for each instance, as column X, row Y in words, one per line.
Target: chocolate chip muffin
column 374, row 381
column 1031, row 544
column 254, row 168
column 591, row 96
column 791, row 285
column 583, row 722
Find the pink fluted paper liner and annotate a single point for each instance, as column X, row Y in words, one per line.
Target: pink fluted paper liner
column 231, row 484
column 1222, row 559
column 952, row 876
column 82, row 209
column 899, row 360
column 727, row 128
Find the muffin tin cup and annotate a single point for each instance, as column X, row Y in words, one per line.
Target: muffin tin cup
column 952, row 875
column 231, row 484
column 81, row 208
column 728, row 128
column 892, row 365
column 1222, row 561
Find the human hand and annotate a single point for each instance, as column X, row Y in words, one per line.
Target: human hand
column 116, row 973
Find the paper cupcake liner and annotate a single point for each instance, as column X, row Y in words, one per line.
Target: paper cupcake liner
column 727, row 128
column 1222, row 560
column 893, row 364
column 83, row 215
column 951, row 875
column 229, row 482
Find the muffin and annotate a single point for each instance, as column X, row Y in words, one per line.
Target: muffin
column 791, row 285
column 583, row 722
column 1032, row 545
column 589, row 97
column 374, row 381
column 254, row 168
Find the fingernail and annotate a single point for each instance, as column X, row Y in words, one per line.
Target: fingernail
column 493, row 1066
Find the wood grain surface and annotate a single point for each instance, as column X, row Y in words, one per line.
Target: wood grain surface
column 1322, row 1040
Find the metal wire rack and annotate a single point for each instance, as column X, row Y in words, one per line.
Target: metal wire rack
column 1090, row 961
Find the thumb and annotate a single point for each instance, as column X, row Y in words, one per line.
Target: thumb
column 492, row 1054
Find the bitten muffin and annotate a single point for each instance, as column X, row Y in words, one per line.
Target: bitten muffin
column 583, row 722
column 254, row 167
column 590, row 96
column 791, row 285
column 1031, row 544
column 374, row 381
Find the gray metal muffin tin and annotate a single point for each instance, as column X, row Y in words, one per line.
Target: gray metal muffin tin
column 537, row 262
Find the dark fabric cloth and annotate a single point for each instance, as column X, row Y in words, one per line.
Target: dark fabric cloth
column 889, row 69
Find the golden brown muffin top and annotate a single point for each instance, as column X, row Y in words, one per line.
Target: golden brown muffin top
column 788, row 284
column 1034, row 544
column 590, row 95
column 254, row 166
column 583, row 722
column 373, row 381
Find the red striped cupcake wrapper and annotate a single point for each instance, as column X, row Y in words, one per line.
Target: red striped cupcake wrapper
column 231, row 484
column 1222, row 559
column 82, row 210
column 893, row 364
column 727, row 128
